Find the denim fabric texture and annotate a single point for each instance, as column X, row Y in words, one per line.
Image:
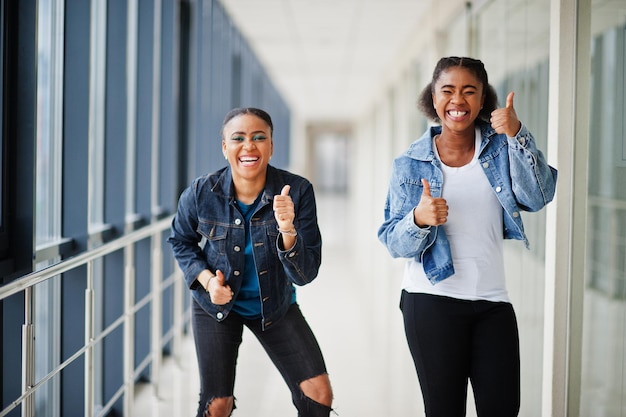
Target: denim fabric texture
column 517, row 171
column 208, row 233
column 290, row 344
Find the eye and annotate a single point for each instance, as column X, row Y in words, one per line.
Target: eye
column 258, row 137
column 238, row 138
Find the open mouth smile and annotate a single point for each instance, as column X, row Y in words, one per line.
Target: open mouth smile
column 248, row 160
column 457, row 113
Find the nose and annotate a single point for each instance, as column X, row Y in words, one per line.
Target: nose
column 248, row 143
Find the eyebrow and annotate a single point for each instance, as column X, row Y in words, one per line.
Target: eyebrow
column 252, row 133
column 463, row 87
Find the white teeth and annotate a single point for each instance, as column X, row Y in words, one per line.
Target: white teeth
column 456, row 113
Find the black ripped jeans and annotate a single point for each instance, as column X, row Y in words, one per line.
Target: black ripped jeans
column 290, row 344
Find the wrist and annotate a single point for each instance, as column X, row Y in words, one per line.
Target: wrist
column 208, row 282
column 204, row 279
column 289, row 232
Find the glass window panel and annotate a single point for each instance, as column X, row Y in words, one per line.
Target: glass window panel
column 603, row 373
column 48, row 196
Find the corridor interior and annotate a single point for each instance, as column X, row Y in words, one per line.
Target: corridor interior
column 355, row 316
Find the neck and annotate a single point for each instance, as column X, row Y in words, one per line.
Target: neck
column 455, row 150
column 247, row 191
column 459, row 141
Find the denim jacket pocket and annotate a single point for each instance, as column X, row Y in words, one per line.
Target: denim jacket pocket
column 272, row 236
column 214, row 235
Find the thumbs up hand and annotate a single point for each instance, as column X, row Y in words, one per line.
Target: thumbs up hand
column 505, row 120
column 430, row 211
column 284, row 209
column 219, row 291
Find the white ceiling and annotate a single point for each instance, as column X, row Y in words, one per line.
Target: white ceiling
column 326, row 57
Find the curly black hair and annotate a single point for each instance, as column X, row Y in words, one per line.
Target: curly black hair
column 476, row 67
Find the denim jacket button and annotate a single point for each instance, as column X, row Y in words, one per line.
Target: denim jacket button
column 292, row 254
column 515, row 214
column 236, row 273
column 498, row 189
column 237, row 248
column 220, row 315
column 485, row 164
column 237, row 222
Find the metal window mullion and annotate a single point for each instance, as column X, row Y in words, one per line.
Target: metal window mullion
column 157, row 256
column 56, row 117
column 95, row 206
column 129, row 328
column 129, row 251
column 97, row 95
column 89, row 337
column 28, row 354
column 568, row 129
column 156, row 105
column 131, row 109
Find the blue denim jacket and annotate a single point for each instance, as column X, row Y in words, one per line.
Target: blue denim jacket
column 517, row 171
column 208, row 233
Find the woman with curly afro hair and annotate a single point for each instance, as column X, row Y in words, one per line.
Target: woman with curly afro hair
column 453, row 196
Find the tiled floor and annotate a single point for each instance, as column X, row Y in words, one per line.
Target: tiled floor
column 354, row 313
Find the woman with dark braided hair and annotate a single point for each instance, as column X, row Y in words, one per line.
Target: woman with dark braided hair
column 453, row 197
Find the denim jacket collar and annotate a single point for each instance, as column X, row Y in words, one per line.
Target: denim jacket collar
column 224, row 185
column 422, row 149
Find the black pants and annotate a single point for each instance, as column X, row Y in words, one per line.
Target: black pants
column 290, row 344
column 454, row 340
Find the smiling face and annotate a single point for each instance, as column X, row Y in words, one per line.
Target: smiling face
column 247, row 144
column 458, row 97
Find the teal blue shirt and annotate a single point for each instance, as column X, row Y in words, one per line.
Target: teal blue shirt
column 248, row 302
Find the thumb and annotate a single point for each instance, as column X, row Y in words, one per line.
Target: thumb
column 220, row 277
column 285, row 190
column 509, row 100
column 426, row 185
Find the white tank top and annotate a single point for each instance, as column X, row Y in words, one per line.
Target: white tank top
column 475, row 231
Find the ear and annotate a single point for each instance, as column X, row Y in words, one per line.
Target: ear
column 434, row 102
column 224, row 149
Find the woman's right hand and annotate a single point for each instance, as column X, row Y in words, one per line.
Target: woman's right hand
column 430, row 211
column 218, row 290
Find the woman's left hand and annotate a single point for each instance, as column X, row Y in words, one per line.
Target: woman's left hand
column 284, row 210
column 505, row 120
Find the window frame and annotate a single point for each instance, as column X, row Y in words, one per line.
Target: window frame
column 4, row 240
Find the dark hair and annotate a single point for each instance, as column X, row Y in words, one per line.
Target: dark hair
column 476, row 67
column 261, row 114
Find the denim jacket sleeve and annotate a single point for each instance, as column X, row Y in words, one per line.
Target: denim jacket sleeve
column 533, row 180
column 185, row 239
column 399, row 233
column 301, row 263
